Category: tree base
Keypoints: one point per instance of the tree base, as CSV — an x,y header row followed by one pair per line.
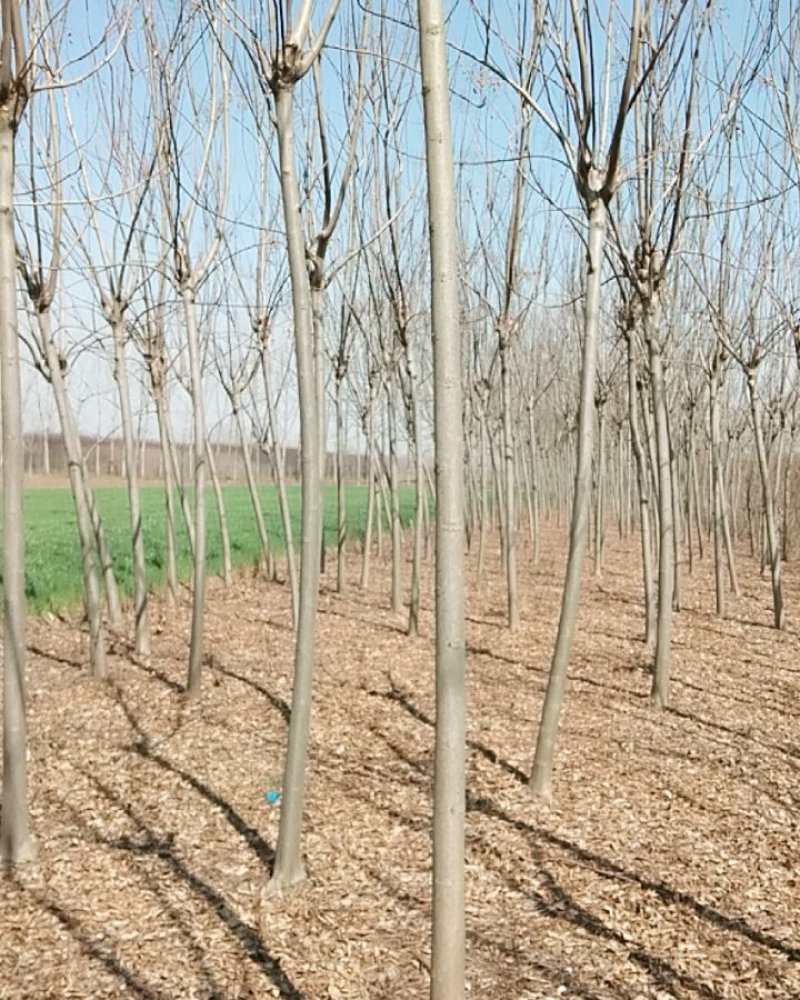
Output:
x,y
279,883
541,789
277,887
23,854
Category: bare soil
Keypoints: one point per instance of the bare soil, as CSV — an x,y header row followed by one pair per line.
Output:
x,y
666,867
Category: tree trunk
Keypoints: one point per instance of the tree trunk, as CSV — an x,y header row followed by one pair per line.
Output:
x,y
341,498
542,772
199,449
510,487
773,548
659,692
677,533
698,512
115,616
169,499
141,618
394,500
267,559
288,862
599,509
534,482
716,491
419,491
484,497
367,547
77,473
448,940
222,514
280,486
16,842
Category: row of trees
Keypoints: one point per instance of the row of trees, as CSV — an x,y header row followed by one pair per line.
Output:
x,y
198,188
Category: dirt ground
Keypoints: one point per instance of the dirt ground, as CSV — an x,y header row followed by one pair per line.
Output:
x,y
667,866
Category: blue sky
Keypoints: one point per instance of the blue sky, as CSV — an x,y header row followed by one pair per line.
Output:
x,y
485,120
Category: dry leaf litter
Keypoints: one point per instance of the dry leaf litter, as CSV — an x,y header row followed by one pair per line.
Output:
x,y
667,865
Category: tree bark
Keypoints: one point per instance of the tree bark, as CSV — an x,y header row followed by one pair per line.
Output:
x,y
288,862
341,497
542,772
222,515
16,842
267,558
113,603
195,668
367,547
510,489
659,692
448,940
78,486
141,616
169,499
280,486
394,508
773,546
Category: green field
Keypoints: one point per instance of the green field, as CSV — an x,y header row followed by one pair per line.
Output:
x,y
52,553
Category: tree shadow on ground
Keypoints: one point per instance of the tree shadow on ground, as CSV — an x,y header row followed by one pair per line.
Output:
x,y
492,654
144,747
147,843
371,622
744,734
711,692
159,675
607,868
95,950
263,851
65,661
601,865
277,703
399,697
556,975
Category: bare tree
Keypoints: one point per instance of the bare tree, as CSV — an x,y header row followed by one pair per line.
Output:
x,y
130,166
40,278
183,190
596,175
292,51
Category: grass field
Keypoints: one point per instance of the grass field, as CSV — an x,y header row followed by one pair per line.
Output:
x,y
52,554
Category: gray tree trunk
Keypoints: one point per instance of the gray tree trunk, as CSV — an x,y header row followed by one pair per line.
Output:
x,y
448,941
542,772
279,472
16,842
483,521
77,473
419,490
534,481
643,484
115,616
341,497
267,559
768,501
600,490
169,498
659,692
222,515
288,861
510,489
195,667
367,547
141,618
394,506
